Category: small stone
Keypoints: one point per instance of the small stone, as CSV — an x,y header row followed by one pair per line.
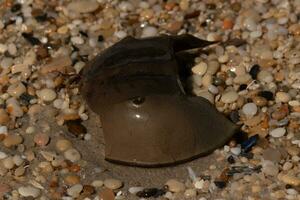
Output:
x,y
41,139
2,155
259,101
254,71
47,94
293,150
113,183
76,128
106,194
97,183
150,192
190,193
87,190
18,160
63,145
229,97
265,76
278,132
283,97
8,163
249,109
175,186
72,155
72,180
12,140
19,171
267,95
149,31
269,168
29,191
223,58
134,190
213,89
200,68
77,40
75,190
287,166
199,184
272,154
236,150
291,180
83,6
16,89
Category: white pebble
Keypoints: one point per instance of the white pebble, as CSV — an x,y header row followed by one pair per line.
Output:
x,y
265,76
278,132
77,40
113,183
83,6
75,190
236,150
213,89
134,190
200,69
224,58
175,186
3,130
120,34
47,94
72,155
149,31
97,183
18,160
29,191
229,97
249,109
283,97
2,155
199,184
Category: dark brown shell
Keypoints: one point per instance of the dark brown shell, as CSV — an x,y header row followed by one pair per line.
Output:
x,y
147,117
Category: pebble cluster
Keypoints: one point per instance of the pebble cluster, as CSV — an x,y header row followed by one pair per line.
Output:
x,y
252,75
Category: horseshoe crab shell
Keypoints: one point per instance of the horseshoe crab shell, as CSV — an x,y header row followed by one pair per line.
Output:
x,y
136,88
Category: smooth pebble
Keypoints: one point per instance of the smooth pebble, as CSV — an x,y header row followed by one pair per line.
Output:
x,y
63,145
249,109
113,183
75,190
72,155
277,132
29,191
200,68
47,94
175,186
229,97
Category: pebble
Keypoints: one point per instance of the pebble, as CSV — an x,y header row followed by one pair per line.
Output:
x,y
200,68
236,150
213,89
83,6
278,132
113,184
190,193
229,97
41,139
149,31
8,163
47,94
75,190
97,183
72,155
16,89
249,109
175,186
290,179
2,155
134,190
283,97
106,194
287,166
265,76
63,145
269,168
4,188
12,140
72,180
272,154
29,191
18,160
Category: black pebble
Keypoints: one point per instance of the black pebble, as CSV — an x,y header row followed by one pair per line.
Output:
x,y
242,87
41,18
231,160
249,143
150,192
254,71
31,39
100,38
83,33
267,95
234,116
16,7
220,184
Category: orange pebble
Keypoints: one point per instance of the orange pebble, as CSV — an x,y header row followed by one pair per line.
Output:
x,y
227,24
